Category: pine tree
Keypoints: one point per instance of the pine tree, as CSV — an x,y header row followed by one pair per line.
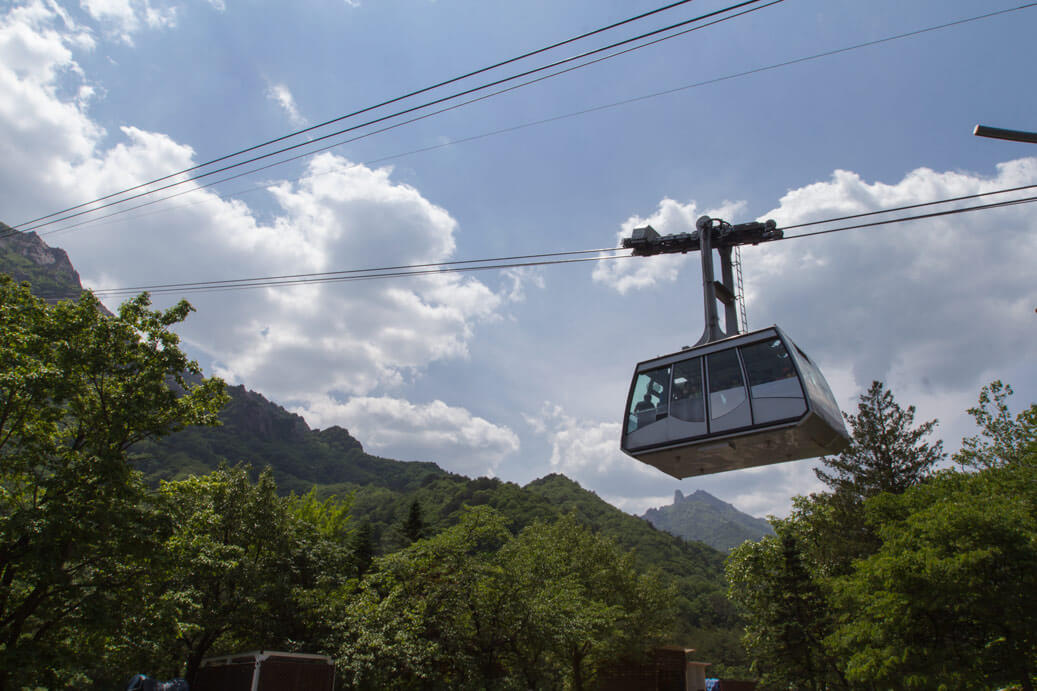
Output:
x,y
363,548
414,526
886,453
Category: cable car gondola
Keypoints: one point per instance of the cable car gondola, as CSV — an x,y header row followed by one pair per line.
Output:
x,y
735,400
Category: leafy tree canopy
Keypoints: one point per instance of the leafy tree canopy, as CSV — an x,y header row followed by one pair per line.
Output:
x,y
951,594
886,454
77,389
1003,440
475,607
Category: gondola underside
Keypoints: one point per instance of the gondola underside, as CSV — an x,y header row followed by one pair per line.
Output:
x,y
809,437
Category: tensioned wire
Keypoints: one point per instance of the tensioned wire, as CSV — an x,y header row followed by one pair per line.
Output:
x,y
552,119
27,225
368,109
387,128
470,265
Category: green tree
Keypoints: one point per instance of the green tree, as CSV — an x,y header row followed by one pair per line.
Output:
x,y
784,585
77,390
780,584
474,607
1003,440
576,601
226,565
419,618
886,454
950,598
325,566
363,548
414,526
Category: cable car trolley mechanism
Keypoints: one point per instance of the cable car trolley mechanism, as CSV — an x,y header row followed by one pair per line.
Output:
x,y
733,400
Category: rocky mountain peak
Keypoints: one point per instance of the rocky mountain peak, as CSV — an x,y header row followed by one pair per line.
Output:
x,y
26,257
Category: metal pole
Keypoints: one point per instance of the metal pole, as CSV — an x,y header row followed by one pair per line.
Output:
x,y
712,331
1010,135
730,304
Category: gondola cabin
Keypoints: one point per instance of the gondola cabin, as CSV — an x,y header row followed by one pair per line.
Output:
x,y
749,400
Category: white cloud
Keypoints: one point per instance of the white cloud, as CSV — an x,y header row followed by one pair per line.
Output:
x,y
301,343
588,451
41,132
124,18
282,96
457,440
933,305
518,278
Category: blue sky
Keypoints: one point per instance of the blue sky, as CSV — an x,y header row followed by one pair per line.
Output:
x,y
521,373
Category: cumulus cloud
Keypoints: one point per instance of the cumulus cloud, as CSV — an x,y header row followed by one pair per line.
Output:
x,y
282,96
457,440
588,451
934,304
302,344
41,131
917,303
126,17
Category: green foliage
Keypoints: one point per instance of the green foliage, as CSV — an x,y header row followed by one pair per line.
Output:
x,y
474,607
951,595
237,567
706,619
780,584
885,454
901,578
414,526
262,434
226,560
578,600
1003,440
415,620
77,389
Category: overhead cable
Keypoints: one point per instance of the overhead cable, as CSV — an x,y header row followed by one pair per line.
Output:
x,y
328,274
934,214
359,275
563,116
497,263
28,225
387,128
368,109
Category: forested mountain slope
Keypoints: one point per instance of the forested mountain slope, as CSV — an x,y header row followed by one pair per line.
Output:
x,y
385,493
260,433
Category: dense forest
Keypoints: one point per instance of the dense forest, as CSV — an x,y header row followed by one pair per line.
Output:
x,y
904,574
907,573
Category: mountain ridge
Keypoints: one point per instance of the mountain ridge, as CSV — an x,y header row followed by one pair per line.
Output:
x,y
381,491
702,517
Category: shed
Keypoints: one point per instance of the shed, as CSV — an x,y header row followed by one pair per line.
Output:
x,y
265,670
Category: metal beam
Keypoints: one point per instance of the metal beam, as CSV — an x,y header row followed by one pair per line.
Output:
x,y
1010,135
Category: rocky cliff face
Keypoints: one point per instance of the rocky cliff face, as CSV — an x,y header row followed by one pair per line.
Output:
x,y
26,257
